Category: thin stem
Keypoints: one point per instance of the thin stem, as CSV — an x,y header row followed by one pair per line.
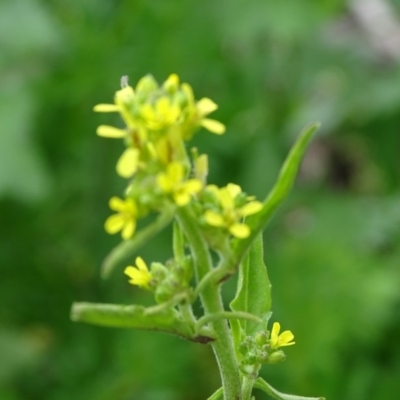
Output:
x,y
212,303
187,314
226,315
211,278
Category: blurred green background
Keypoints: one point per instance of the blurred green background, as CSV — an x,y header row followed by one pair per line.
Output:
x,y
333,250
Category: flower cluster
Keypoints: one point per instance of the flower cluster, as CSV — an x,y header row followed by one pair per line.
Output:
x,y
166,281
264,348
158,120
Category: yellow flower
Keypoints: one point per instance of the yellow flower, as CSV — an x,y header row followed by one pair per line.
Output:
x,y
172,182
160,115
280,340
230,215
139,275
198,111
125,218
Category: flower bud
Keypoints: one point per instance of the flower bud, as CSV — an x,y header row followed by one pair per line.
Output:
x,y
276,356
146,85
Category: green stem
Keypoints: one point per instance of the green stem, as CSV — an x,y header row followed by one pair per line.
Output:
x,y
211,278
187,314
247,387
212,303
226,315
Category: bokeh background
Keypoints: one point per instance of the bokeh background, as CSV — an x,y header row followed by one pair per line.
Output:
x,y
332,250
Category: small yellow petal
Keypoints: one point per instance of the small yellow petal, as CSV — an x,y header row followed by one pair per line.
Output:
x,y
241,231
127,164
110,132
285,338
141,264
193,186
129,229
206,106
233,189
214,219
250,208
225,199
138,277
213,126
182,198
106,108
117,204
131,271
276,328
114,224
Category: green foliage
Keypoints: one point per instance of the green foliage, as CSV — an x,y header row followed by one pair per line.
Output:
x,y
332,254
253,292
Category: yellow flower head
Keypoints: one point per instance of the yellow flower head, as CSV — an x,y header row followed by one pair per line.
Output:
x,y
139,275
197,111
172,182
230,215
125,218
280,340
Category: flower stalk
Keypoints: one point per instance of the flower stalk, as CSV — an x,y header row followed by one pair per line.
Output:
x,y
167,181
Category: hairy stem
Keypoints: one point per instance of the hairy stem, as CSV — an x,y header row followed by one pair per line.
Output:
x,y
212,303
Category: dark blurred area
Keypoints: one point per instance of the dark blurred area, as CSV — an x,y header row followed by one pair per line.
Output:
x,y
332,251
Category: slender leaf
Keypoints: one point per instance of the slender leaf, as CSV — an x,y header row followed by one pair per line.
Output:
x,y
267,388
278,193
133,316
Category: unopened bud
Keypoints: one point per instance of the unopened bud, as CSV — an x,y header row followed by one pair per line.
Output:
x,y
276,356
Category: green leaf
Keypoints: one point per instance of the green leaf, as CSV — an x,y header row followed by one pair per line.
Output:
x,y
126,250
276,196
253,294
133,316
217,395
267,388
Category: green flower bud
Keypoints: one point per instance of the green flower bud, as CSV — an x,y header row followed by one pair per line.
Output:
x,y
158,271
146,85
246,345
261,337
276,356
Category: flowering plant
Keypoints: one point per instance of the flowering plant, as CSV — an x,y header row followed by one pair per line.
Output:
x,y
165,180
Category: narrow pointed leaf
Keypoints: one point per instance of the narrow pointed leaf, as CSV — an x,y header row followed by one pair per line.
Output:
x,y
133,316
267,388
276,196
124,251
